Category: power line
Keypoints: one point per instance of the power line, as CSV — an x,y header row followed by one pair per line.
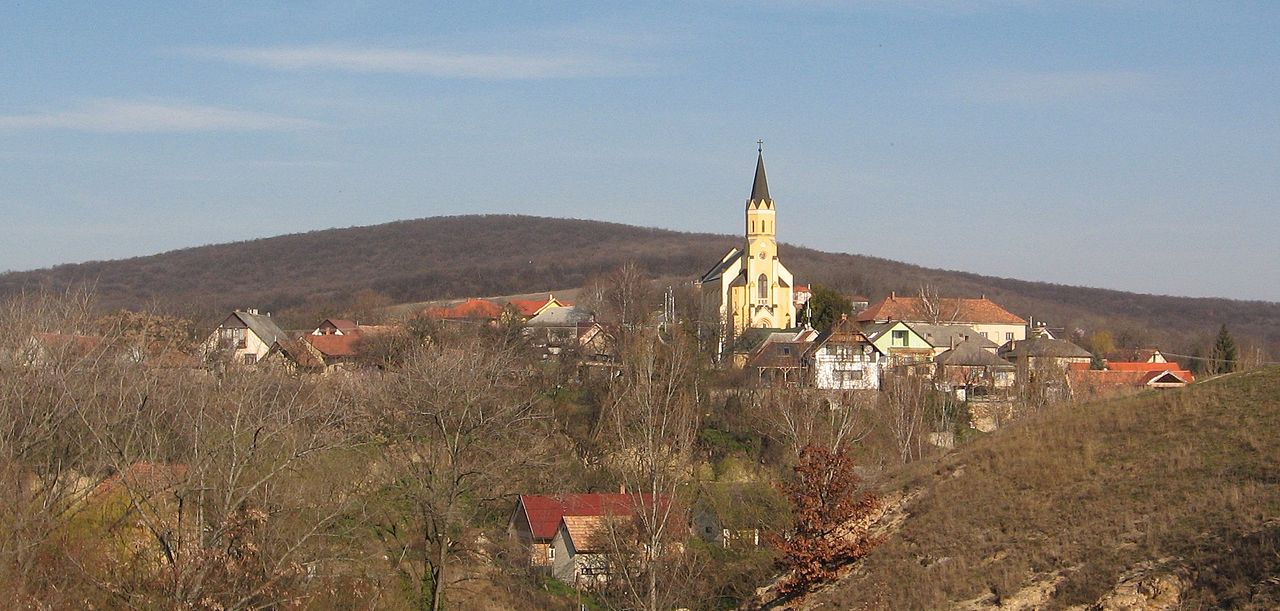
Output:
x,y
1209,358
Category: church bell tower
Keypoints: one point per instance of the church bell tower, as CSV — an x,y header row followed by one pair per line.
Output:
x,y
768,293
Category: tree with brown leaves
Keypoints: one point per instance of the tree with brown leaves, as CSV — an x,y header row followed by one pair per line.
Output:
x,y
832,517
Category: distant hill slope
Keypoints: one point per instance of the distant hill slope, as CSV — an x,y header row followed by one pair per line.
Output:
x,y
1176,488
454,257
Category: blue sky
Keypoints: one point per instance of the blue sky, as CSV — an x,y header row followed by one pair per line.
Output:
x,y
1129,145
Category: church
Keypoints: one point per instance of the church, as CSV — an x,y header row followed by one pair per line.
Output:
x,y
749,287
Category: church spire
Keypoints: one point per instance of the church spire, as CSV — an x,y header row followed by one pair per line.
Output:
x,y
760,187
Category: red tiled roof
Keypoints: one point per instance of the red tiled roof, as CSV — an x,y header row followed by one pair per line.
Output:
x,y
527,307
469,309
531,307
144,476
335,345
544,511
1102,379
949,309
79,344
1142,366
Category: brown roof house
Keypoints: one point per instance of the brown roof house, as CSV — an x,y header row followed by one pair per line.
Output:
x,y
337,342
574,536
529,308
780,359
844,358
985,317
1043,359
478,311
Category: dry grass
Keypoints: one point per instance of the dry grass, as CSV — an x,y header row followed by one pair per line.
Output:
x,y
1091,491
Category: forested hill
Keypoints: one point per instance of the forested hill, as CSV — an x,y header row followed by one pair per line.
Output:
x,y
462,256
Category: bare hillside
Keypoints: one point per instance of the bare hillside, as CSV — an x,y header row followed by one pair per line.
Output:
x,y
1167,495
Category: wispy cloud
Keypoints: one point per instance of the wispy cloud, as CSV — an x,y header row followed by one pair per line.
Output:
x,y
1050,87
449,64
124,116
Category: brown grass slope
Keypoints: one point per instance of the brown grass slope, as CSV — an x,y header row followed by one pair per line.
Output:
x,y
461,256
1088,493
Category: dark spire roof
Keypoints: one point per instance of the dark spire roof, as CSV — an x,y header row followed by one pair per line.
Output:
x,y
760,187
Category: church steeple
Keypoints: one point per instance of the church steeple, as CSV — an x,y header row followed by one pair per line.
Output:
x,y
760,186
760,212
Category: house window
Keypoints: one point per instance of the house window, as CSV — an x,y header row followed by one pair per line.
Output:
x,y
762,287
250,359
551,552
899,338
1008,336
235,337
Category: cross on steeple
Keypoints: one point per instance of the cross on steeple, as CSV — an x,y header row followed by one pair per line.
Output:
x,y
759,146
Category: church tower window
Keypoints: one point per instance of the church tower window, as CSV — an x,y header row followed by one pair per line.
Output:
x,y
762,287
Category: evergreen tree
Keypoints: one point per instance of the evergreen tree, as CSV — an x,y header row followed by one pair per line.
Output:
x,y
825,307
1223,358
1198,364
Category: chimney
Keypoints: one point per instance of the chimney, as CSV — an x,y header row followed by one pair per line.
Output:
x,y
893,295
622,488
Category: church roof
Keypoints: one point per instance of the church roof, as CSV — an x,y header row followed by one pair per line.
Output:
x,y
716,272
760,186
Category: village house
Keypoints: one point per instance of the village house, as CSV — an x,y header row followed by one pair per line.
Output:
x,y
1147,370
844,358
1040,356
1102,383
569,535
597,344
970,370
555,329
245,335
983,315
295,356
907,352
779,359
472,311
528,309
337,341
946,337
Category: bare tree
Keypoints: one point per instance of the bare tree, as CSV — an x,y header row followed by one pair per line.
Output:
x,y
222,483
652,418
906,398
629,296
800,419
933,306
163,487
45,464
457,427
